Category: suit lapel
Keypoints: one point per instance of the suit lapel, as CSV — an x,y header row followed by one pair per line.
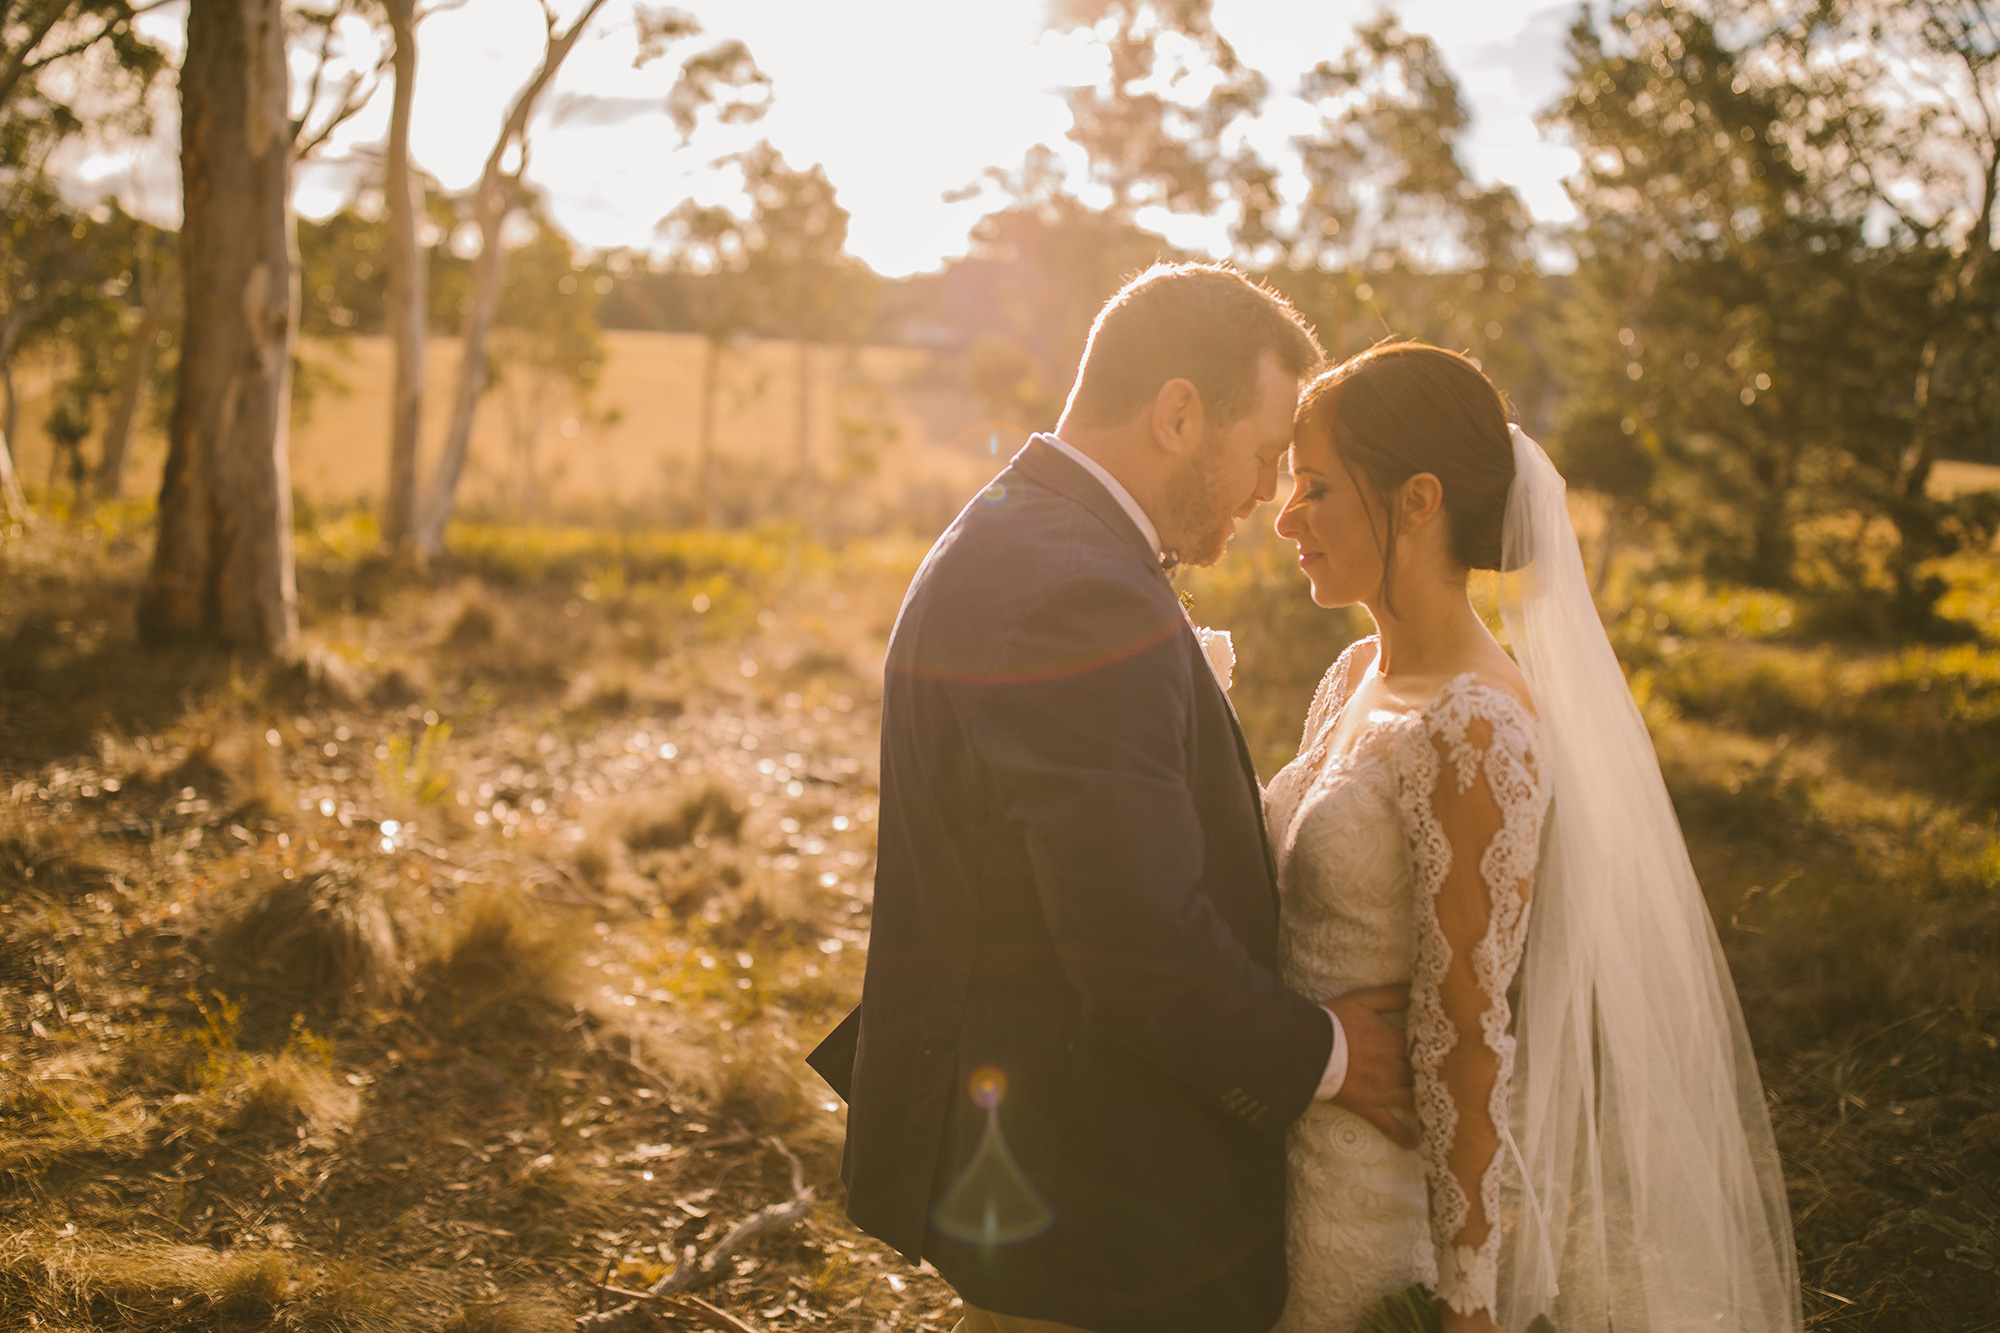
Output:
x,y
1244,760
1043,465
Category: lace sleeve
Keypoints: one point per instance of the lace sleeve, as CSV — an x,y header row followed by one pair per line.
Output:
x,y
1473,804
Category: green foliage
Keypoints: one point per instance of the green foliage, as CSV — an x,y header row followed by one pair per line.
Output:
x,y
344,270
1411,1310
416,771
1284,643
509,555
1154,130
1745,352
547,323
343,274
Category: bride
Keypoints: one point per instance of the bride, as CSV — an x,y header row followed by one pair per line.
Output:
x,y
1593,1141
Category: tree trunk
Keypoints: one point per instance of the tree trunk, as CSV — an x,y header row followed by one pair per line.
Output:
x,y
408,304
711,371
131,388
488,272
804,471
10,418
13,505
494,202
222,567
12,502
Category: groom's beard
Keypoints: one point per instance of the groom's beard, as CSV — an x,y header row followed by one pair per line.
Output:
x,y
1199,535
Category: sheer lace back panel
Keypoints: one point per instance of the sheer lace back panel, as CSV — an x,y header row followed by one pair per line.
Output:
x,y
1408,857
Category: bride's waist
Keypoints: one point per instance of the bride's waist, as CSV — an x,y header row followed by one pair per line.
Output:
x,y
1329,1133
1325,987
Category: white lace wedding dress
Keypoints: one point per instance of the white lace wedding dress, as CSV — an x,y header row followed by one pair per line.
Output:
x,y
1406,844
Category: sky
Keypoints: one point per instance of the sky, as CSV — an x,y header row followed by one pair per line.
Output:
x,y
901,101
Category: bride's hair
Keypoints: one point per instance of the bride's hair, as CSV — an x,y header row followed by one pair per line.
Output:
x,y
1401,408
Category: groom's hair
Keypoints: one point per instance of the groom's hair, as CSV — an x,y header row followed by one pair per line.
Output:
x,y
1204,323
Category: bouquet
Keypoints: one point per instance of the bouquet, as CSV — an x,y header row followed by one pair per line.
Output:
x,y
1417,1310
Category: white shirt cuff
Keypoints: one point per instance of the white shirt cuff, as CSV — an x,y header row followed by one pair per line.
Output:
x,y
1336,1063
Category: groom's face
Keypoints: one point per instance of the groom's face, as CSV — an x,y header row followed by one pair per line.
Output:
x,y
1232,471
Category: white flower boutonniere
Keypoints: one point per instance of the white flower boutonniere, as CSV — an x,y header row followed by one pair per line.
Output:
x,y
1221,653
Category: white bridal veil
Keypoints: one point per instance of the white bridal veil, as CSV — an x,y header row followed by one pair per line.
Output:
x,y
1650,1196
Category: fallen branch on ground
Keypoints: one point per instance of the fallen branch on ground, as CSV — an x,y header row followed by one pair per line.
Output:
x,y
713,1314
695,1274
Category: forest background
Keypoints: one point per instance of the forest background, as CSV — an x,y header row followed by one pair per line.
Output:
x,y
438,663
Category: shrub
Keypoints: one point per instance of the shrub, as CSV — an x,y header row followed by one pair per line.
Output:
x,y
325,936
712,812
499,967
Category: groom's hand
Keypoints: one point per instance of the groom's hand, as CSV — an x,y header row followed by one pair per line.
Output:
x,y
1378,1062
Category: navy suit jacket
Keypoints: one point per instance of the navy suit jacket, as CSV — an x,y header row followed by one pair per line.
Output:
x,y
1072,1067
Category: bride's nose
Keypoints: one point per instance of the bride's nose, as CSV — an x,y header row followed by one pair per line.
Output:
x,y
1288,523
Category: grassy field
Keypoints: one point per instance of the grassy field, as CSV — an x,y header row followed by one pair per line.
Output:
x,y
458,977
884,425
889,433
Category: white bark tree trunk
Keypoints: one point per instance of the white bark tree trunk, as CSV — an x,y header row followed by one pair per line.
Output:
x,y
131,390
711,374
497,189
408,290
13,505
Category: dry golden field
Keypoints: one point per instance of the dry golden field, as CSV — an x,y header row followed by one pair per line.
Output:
x,y
890,425
890,433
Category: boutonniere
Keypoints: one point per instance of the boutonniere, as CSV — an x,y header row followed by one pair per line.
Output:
x,y
1220,652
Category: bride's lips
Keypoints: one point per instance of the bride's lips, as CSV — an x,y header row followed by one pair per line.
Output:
x,y
1307,557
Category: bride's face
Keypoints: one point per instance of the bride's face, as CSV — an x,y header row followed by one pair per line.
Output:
x,y
1338,531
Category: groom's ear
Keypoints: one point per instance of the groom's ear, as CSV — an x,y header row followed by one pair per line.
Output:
x,y
1179,420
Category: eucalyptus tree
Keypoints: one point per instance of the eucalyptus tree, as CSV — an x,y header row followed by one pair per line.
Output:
x,y
1393,233
1156,128
38,36
1784,304
723,81
54,55
222,568
808,287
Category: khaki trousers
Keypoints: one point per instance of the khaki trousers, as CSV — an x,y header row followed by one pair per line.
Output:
x,y
983,1321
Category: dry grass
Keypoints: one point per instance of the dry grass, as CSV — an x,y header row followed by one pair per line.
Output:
x,y
551,948
498,968
895,434
323,936
706,815
385,1034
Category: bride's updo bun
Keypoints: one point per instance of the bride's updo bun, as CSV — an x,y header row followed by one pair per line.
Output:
x,y
1401,408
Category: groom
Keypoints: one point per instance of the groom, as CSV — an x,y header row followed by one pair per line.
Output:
x,y
1072,1068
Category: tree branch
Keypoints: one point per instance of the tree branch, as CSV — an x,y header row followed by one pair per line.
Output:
x,y
348,108
17,63
516,126
612,1320
692,1275
78,48
348,105
319,74
778,1216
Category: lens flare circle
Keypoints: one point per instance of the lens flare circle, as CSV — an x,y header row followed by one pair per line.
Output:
x,y
987,1087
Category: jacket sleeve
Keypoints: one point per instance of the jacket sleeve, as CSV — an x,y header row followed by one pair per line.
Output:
x,y
1082,729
